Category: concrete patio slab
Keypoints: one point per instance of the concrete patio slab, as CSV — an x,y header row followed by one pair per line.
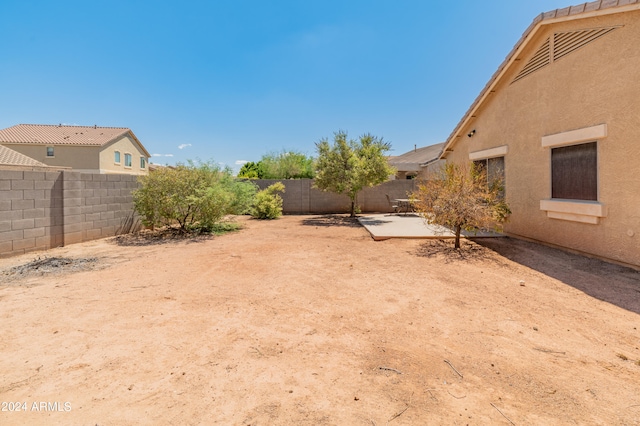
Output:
x,y
385,226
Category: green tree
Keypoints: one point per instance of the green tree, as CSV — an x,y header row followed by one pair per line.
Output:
x,y
194,196
268,203
348,166
461,198
250,170
286,165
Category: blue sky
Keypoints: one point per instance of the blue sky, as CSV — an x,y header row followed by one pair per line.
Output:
x,y
231,80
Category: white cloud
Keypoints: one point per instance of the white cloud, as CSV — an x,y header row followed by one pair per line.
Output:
x,y
183,145
162,155
241,162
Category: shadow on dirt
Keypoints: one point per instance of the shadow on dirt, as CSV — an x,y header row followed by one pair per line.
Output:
x,y
444,248
164,236
605,281
332,220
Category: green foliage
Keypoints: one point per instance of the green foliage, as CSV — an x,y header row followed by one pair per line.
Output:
x,y
461,198
286,165
194,196
268,203
250,170
348,166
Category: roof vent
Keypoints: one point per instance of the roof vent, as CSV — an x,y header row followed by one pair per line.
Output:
x,y
563,44
539,60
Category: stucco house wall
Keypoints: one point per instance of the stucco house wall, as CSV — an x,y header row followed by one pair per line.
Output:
x,y
589,95
124,145
79,158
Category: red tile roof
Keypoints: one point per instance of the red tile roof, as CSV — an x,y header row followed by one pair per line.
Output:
x,y
61,135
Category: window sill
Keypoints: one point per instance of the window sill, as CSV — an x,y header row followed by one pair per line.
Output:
x,y
574,211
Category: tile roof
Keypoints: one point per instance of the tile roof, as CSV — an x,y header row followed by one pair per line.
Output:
x,y
9,157
411,160
583,10
61,135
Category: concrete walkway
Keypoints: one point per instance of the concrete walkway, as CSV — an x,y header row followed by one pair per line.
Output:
x,y
391,225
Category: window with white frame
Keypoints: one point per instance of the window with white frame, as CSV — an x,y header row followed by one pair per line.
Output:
x,y
116,157
143,163
127,160
50,152
574,175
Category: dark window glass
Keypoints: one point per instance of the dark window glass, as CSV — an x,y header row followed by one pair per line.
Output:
x,y
574,172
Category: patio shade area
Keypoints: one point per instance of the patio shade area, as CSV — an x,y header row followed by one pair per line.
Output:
x,y
385,226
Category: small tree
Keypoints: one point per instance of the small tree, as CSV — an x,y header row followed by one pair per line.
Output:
x,y
461,197
250,170
268,203
348,166
286,165
195,197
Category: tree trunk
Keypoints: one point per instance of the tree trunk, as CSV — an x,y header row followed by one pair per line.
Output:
x,y
353,208
457,243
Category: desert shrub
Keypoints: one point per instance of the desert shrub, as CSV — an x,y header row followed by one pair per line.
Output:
x,y
462,197
194,196
268,203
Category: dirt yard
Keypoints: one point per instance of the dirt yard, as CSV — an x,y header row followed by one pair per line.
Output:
x,y
306,320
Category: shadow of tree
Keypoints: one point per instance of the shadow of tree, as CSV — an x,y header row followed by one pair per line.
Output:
x,y
444,248
163,236
332,220
605,281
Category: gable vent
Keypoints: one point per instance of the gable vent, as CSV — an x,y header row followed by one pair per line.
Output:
x,y
565,43
539,60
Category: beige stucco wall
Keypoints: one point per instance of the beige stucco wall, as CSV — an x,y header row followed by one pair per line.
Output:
x,y
594,85
83,158
125,145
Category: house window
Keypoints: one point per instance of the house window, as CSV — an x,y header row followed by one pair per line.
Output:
x,y
494,168
116,157
50,151
574,172
127,160
143,162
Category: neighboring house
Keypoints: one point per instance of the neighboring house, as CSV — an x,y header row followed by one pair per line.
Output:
x,y
560,120
408,165
83,148
13,159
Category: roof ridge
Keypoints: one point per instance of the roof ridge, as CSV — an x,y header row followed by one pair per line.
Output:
x,y
72,125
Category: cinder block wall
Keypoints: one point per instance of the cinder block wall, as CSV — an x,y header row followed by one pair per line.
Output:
x,y
44,209
301,197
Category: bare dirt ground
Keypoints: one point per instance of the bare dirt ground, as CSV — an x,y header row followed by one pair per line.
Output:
x,y
307,320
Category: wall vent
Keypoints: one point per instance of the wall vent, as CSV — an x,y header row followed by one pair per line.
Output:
x,y
563,44
539,60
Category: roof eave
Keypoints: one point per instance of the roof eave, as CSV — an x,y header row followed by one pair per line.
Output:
x,y
542,20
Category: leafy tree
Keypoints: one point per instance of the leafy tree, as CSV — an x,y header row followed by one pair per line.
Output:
x,y
250,170
286,165
460,197
194,196
268,203
348,166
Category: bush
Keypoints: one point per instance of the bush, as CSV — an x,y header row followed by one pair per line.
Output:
x,y
268,203
194,196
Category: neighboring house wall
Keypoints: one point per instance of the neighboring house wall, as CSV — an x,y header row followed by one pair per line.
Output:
x,y
300,197
589,95
40,209
80,158
124,145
